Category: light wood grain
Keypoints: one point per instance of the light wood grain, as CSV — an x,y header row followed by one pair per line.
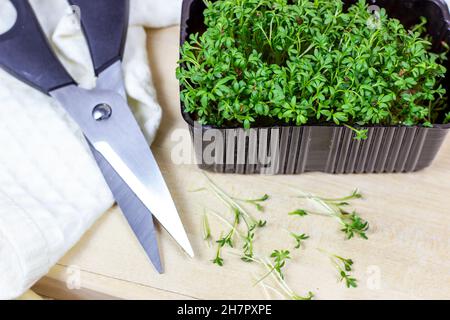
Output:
x,y
409,214
30,295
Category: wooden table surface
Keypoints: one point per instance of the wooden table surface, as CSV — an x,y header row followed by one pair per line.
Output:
x,y
407,255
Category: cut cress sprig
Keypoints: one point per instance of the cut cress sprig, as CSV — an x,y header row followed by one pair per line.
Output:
x,y
344,267
207,236
239,214
352,223
299,238
274,271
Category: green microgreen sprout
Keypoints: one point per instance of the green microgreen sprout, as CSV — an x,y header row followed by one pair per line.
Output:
x,y
298,212
239,214
247,239
356,194
360,134
235,206
306,62
352,224
447,118
278,257
255,202
299,238
218,258
344,267
291,294
227,240
207,236
248,244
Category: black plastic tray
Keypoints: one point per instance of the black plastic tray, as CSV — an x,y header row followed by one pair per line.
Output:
x,y
327,148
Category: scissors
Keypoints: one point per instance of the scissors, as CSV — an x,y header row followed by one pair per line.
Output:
x,y
116,141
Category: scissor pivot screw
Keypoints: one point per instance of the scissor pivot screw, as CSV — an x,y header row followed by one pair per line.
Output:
x,y
102,112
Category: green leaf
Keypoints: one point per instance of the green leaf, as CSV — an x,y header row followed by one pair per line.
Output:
x,y
340,117
298,212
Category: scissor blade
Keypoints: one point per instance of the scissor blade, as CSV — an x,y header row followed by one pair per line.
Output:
x,y
151,188
139,217
120,141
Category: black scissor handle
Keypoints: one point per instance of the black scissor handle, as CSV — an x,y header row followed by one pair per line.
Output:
x,y
26,54
105,25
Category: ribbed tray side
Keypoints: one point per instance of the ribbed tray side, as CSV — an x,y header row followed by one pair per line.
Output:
x,y
293,150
